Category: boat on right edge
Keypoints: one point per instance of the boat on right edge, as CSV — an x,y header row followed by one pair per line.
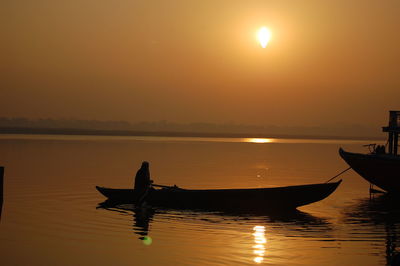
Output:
x,y
380,167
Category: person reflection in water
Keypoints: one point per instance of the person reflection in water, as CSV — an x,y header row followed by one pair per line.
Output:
x,y
142,218
142,183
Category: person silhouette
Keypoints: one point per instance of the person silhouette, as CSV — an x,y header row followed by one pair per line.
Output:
x,y
142,183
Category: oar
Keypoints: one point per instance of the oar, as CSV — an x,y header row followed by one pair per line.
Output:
x,y
144,196
155,185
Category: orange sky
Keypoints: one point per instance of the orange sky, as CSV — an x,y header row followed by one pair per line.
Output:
x,y
328,62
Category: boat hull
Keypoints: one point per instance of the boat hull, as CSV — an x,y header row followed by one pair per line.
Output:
x,y
289,197
382,170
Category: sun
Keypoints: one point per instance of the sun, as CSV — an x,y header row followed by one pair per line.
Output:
x,y
264,36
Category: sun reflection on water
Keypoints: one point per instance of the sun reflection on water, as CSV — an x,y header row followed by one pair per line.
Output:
x,y
260,240
260,140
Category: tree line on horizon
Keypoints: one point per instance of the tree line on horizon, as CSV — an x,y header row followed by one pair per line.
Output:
x,y
166,126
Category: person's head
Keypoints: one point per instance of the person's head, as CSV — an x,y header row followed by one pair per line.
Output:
x,y
145,164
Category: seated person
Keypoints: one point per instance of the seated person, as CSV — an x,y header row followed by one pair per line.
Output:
x,y
142,182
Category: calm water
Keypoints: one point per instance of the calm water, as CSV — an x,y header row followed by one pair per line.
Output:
x,y
50,216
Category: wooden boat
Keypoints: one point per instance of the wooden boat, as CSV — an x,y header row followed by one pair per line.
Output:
x,y
289,197
379,167
382,170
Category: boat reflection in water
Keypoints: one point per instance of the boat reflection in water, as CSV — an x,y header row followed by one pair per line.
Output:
x,y
295,222
375,214
260,241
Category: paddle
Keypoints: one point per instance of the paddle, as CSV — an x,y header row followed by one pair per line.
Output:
x,y
146,193
155,185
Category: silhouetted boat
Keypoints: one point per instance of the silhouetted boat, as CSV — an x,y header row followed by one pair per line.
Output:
x,y
380,168
276,198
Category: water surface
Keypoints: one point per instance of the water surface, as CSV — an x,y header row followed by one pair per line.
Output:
x,y
50,216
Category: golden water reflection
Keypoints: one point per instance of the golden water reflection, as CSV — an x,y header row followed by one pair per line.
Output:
x,y
260,241
259,140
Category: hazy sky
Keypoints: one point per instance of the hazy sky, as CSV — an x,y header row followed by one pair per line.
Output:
x,y
328,62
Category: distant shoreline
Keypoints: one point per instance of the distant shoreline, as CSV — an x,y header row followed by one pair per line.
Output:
x,y
94,132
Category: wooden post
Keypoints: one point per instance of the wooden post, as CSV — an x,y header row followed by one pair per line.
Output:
x,y
1,188
390,143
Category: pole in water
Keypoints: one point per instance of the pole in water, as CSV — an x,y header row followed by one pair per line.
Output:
x,y
1,188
